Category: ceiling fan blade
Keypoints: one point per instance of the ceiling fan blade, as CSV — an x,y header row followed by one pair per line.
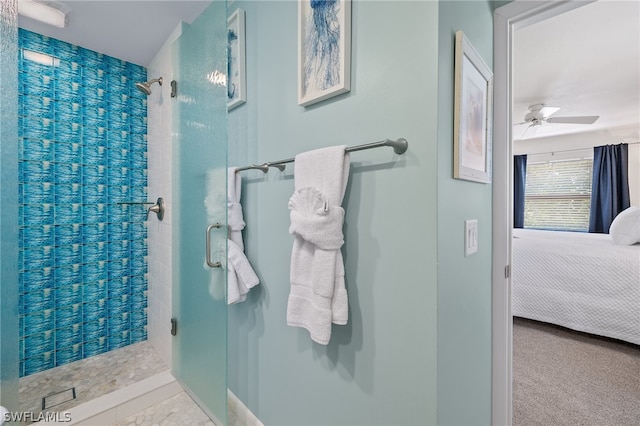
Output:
x,y
586,119
525,132
518,124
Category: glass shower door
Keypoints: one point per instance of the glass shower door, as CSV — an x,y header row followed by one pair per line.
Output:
x,y
199,209
9,283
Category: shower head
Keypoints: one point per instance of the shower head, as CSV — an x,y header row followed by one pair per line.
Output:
x,y
146,86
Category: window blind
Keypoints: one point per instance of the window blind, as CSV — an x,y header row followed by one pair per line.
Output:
x,y
558,195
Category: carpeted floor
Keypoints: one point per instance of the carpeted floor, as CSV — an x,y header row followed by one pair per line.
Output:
x,y
563,377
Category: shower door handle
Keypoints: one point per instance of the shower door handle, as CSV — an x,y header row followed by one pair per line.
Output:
x,y
208,246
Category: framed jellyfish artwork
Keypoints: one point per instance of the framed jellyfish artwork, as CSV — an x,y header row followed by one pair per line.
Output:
x,y
236,56
324,49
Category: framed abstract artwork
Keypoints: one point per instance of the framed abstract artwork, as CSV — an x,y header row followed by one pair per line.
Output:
x,y
324,49
236,56
472,116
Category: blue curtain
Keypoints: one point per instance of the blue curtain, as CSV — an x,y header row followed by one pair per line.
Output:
x,y
610,188
519,180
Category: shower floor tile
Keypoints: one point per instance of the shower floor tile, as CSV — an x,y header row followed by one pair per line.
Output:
x,y
91,377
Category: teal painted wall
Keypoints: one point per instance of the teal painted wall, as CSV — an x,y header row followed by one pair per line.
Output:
x,y
464,283
500,3
380,369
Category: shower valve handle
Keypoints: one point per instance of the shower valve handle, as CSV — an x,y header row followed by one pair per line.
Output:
x,y
157,208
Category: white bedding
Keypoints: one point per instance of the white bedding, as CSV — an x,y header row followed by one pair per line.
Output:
x,y
577,280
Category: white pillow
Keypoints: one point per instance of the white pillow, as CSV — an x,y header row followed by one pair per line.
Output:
x,y
625,228
3,412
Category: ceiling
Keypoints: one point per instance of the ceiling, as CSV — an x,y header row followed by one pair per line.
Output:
x,y
587,62
129,30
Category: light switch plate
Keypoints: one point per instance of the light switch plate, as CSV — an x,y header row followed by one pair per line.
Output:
x,y
470,236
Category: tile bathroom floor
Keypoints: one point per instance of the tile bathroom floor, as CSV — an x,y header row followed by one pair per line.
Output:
x,y
177,410
108,372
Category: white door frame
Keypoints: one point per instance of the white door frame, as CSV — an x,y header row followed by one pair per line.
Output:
x,y
506,20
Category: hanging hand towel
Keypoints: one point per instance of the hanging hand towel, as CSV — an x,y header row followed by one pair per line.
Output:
x,y
240,275
215,200
235,219
318,296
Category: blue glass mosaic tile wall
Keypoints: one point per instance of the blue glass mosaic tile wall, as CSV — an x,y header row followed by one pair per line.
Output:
x,y
83,256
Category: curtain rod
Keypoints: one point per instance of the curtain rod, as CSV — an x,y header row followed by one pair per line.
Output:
x,y
572,150
399,147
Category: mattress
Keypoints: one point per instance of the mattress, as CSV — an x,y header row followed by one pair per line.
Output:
x,y
580,281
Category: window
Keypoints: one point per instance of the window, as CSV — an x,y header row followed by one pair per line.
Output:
x,y
558,195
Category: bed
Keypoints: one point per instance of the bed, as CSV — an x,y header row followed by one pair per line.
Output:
x,y
577,280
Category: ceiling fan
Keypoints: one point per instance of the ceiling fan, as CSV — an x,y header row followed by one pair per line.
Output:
x,y
539,114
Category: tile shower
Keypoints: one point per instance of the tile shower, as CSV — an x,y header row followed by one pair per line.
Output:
x,y
83,256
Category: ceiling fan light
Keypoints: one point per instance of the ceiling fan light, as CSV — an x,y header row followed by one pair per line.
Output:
x,y
547,111
49,12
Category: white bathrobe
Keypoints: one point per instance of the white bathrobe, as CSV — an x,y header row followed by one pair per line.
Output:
x,y
318,296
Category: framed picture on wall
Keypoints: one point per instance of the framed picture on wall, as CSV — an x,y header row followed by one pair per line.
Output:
x,y
472,114
236,56
324,50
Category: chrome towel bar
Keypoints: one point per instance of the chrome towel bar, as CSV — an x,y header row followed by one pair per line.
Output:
x,y
399,146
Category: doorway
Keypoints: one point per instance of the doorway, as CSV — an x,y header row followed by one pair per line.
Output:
x,y
507,19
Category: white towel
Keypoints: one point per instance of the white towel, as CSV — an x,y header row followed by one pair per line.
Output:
x,y
215,200
318,296
240,275
215,205
217,286
235,219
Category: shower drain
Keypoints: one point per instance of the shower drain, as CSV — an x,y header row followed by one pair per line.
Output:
x,y
58,398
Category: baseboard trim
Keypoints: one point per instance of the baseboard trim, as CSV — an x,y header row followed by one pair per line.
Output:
x,y
242,413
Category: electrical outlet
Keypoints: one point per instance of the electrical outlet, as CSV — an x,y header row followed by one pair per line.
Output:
x,y
470,236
